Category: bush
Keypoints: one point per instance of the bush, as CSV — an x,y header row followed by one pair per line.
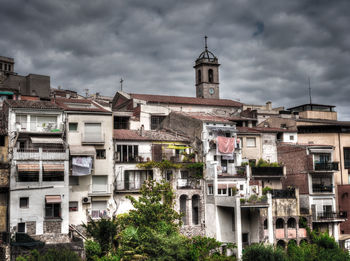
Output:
x,y
50,255
259,252
266,190
92,250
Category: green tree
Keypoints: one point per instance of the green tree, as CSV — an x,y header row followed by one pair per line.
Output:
x,y
50,255
259,252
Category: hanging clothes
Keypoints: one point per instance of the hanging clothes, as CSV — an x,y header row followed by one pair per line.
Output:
x,y
225,145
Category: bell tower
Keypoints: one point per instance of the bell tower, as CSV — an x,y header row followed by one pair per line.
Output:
x,y
207,74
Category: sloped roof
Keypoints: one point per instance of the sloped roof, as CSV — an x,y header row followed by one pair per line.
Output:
x,y
206,117
261,130
80,105
185,100
147,135
41,105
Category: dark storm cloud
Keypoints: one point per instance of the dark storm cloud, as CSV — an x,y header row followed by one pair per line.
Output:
x,y
267,49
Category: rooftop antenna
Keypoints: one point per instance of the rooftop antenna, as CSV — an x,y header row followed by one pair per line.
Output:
x,y
205,41
310,91
86,92
121,84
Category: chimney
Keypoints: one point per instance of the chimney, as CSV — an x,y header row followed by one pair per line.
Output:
x,y
269,106
141,130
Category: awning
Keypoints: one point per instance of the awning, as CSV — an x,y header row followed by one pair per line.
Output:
x,y
46,140
325,150
82,150
210,185
53,199
178,147
6,93
231,185
28,167
53,167
222,186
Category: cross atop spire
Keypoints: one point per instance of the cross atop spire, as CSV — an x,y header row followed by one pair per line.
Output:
x,y
121,84
205,40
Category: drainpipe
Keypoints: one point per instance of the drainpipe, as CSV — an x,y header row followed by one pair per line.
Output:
x,y
340,159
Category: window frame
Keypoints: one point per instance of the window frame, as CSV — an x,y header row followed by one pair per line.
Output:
x,y
251,139
103,153
54,207
71,208
72,124
27,202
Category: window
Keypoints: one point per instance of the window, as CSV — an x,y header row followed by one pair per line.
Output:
x,y
21,122
73,180
21,227
127,153
241,187
251,142
210,75
100,154
291,137
156,122
73,126
93,132
120,122
222,191
183,209
73,206
195,209
99,183
43,123
52,210
347,158
199,76
133,179
231,192
210,189
98,209
53,172
28,176
2,141
24,202
169,173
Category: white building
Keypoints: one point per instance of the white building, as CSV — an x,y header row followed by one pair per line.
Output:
x,y
89,136
39,170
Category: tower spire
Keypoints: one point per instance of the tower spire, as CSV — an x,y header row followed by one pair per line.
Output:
x,y
310,91
205,41
121,84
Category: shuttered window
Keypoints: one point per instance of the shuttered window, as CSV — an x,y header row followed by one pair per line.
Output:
x,y
93,132
99,183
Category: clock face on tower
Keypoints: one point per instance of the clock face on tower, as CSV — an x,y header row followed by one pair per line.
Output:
x,y
211,90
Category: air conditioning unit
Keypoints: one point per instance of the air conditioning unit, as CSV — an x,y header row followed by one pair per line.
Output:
x,y
86,200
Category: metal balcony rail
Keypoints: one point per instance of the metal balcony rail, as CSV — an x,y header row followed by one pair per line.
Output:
x,y
129,185
267,171
322,188
132,158
283,193
326,166
189,183
328,215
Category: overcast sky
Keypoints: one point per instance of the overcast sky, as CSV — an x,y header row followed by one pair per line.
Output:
x,y
267,49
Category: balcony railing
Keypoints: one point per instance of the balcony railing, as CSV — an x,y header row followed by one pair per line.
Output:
x,y
100,189
128,185
267,171
49,127
188,183
134,158
97,214
329,215
283,193
329,166
319,188
40,154
93,139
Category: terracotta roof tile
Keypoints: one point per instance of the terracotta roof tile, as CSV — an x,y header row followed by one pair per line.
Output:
x,y
148,135
206,117
68,105
41,105
186,100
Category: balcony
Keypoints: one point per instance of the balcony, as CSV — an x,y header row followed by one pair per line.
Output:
x,y
132,157
97,214
268,172
283,193
40,154
254,201
48,127
98,138
320,188
329,216
328,166
189,183
121,186
100,190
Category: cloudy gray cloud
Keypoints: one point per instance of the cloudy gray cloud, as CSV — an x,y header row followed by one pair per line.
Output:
x,y
267,49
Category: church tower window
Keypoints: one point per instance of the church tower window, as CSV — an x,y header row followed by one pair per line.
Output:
x,y
199,75
210,75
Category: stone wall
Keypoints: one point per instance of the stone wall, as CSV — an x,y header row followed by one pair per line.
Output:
x,y
31,227
52,226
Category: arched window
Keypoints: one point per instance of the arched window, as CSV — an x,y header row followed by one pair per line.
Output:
x,y
210,75
291,223
302,242
292,242
281,243
279,223
183,210
199,76
195,210
265,224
